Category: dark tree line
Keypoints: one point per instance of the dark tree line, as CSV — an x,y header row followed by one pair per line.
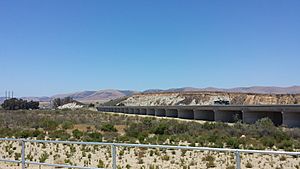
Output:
x,y
16,104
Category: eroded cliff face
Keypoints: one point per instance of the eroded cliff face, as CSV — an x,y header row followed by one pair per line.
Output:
x,y
209,98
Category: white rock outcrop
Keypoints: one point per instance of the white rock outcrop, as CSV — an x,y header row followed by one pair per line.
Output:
x,y
70,106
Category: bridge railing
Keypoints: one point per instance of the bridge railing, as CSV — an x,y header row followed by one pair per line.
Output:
x,y
114,146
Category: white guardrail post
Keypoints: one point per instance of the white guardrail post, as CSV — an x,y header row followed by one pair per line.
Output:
x,y
238,159
114,156
23,154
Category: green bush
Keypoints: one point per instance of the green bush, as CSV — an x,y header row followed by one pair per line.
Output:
x,y
108,127
67,125
61,134
77,134
92,137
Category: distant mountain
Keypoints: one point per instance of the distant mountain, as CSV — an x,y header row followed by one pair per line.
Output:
x,y
108,94
40,99
253,89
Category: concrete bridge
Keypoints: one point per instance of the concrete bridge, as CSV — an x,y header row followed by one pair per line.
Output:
x,y
286,115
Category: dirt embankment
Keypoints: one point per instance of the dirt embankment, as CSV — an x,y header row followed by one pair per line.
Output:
x,y
208,98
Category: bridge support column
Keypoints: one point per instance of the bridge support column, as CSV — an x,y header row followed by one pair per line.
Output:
x,y
186,113
151,112
143,111
291,119
207,115
253,116
172,113
160,112
227,116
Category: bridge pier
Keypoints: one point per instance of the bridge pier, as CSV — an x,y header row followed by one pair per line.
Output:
x,y
186,113
204,115
151,112
172,113
291,119
227,116
252,116
160,112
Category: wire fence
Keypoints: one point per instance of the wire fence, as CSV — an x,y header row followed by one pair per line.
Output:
x,y
114,146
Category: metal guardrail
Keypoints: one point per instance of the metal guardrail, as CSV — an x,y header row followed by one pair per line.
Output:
x,y
237,152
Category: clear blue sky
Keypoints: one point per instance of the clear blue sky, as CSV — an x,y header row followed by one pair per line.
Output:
x,y
58,46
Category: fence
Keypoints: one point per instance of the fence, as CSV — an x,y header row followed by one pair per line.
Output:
x,y
237,152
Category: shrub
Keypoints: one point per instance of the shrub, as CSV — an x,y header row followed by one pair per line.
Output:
x,y
67,125
77,134
108,127
249,165
160,129
232,142
43,157
61,134
93,137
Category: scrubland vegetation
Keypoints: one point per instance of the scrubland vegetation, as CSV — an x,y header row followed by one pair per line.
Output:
x,y
85,125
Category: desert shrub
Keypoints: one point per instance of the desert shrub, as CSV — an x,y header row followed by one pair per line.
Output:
x,y
92,137
61,134
43,157
232,142
77,134
248,165
160,129
135,130
268,141
47,124
67,125
108,127
100,164
286,145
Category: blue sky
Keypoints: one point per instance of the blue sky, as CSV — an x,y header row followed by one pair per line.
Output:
x,y
58,46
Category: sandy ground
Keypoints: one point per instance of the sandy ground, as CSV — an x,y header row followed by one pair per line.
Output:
x,y
137,158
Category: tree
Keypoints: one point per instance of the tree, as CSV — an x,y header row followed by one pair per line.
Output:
x,y
59,102
16,104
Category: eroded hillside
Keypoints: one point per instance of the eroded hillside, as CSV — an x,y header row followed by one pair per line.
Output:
x,y
208,98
